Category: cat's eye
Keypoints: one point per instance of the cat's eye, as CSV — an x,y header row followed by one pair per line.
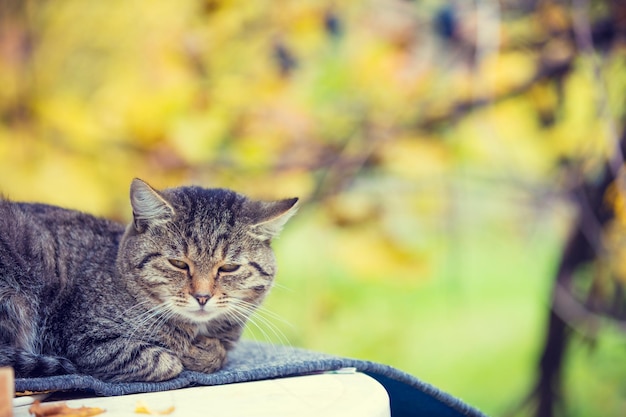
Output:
x,y
228,268
178,264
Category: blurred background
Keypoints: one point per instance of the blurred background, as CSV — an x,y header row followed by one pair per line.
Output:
x,y
459,163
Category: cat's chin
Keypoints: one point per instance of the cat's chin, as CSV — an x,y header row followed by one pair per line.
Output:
x,y
199,316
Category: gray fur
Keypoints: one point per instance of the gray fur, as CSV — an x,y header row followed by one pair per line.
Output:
x,y
172,290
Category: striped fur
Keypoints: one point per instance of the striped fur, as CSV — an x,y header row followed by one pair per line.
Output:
x,y
172,290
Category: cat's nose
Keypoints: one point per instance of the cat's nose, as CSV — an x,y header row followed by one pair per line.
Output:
x,y
202,298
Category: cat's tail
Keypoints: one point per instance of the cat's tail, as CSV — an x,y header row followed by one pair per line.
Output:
x,y
27,364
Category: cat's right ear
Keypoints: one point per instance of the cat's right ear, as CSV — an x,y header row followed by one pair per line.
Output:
x,y
148,204
270,217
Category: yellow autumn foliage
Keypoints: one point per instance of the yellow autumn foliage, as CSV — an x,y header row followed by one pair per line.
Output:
x,y
382,115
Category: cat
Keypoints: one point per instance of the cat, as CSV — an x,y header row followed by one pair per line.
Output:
x,y
172,290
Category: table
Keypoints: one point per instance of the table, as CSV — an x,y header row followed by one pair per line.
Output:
x,y
342,393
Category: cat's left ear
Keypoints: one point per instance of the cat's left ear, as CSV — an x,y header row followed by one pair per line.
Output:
x,y
270,217
148,204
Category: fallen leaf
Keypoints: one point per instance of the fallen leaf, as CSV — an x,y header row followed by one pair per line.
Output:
x,y
142,408
58,410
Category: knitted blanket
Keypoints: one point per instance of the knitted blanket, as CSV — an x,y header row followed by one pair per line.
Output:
x,y
252,361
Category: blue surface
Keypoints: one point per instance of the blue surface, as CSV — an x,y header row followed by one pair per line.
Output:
x,y
252,361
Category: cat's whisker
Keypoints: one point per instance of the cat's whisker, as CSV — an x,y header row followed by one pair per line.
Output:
x,y
264,311
261,310
250,321
241,316
241,319
232,315
163,318
256,318
279,336
146,318
124,314
264,335
282,287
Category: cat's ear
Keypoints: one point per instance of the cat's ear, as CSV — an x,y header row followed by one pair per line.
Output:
x,y
148,204
270,217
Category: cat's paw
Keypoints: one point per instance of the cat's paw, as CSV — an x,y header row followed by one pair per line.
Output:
x,y
166,366
152,364
205,355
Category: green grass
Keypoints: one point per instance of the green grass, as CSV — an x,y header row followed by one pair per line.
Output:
x,y
597,377
472,325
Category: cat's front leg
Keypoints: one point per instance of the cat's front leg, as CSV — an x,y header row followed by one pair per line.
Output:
x,y
206,354
122,360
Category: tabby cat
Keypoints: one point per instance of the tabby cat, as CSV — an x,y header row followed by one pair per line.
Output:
x,y
170,291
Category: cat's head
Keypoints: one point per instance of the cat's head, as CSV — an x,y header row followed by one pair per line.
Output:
x,y
201,253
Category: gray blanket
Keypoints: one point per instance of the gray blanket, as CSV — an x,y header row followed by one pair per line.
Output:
x,y
252,361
